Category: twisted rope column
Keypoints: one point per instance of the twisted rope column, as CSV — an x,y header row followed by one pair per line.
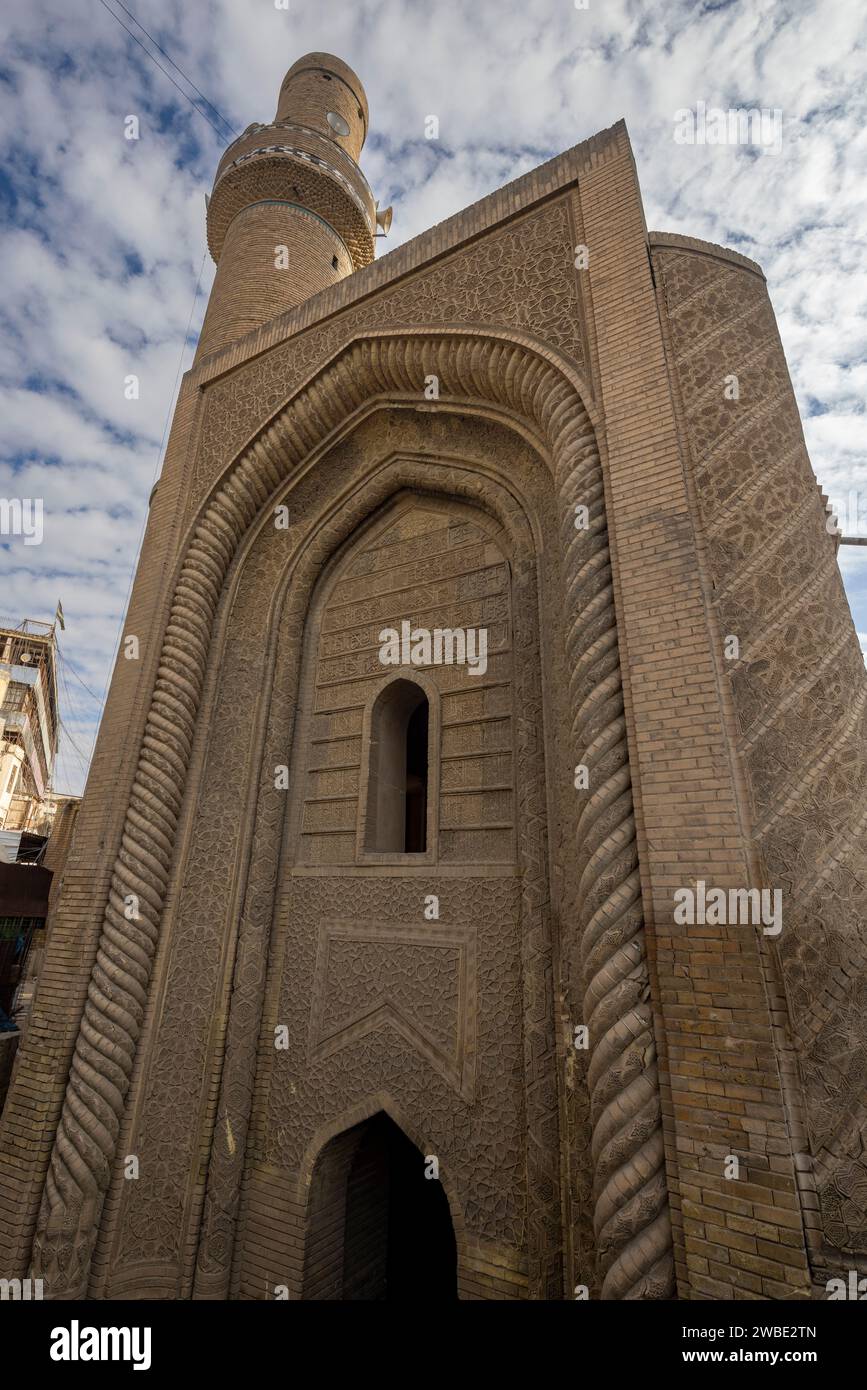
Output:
x,y
631,1216
102,1063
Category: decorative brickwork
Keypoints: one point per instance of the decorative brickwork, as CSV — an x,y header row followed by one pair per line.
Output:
x,y
268,906
461,370
518,278
799,690
290,211
631,1218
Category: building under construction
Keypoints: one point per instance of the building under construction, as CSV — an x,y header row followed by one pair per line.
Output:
x,y
29,813
28,726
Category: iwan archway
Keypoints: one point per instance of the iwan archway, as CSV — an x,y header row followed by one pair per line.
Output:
x,y
467,459
625,526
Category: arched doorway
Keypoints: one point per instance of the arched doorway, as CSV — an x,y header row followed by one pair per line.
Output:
x,y
379,1229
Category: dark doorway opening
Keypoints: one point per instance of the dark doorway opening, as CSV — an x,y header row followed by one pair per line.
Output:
x,y
399,1243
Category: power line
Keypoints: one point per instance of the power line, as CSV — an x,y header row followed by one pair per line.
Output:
x,y
78,712
69,666
184,94
68,748
139,24
64,684
84,759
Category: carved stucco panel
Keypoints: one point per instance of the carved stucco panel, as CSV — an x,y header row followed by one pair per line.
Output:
x,y
520,276
629,1205
153,1224
800,694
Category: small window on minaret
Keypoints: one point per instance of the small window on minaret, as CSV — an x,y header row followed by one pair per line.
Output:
x,y
334,262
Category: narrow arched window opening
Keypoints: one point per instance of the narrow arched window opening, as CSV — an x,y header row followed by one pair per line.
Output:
x,y
415,821
397,795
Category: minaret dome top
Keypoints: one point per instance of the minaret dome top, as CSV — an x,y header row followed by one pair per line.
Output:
x,y
323,93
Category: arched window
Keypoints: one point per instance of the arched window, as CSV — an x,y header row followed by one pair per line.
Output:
x,y
397,788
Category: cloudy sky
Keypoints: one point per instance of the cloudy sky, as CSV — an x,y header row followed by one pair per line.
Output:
x,y
104,240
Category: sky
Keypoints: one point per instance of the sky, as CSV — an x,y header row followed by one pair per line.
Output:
x,y
103,272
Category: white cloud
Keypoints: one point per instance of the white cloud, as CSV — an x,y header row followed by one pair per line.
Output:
x,y
104,237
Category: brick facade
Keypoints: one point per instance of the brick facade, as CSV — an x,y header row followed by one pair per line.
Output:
x,y
559,387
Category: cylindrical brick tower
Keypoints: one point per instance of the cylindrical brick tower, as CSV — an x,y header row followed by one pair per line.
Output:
x,y
290,211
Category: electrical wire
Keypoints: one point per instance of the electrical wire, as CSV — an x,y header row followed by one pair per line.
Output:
x,y
77,711
184,94
171,60
83,762
83,759
69,666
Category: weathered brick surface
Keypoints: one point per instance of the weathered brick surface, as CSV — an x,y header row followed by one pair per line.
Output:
x,y
799,696
273,254
728,1080
290,212
713,1007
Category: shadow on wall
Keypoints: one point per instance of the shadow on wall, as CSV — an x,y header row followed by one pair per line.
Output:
x,y
381,1229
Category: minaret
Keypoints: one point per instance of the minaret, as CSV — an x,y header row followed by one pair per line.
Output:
x,y
290,212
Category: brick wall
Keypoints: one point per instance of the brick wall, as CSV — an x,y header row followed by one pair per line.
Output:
x,y
799,694
317,84
29,1119
8,1048
722,1092
715,1007
250,288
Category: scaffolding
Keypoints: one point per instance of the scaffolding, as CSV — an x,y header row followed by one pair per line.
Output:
x,y
29,724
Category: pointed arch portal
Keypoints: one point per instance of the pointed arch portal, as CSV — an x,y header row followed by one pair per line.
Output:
x,y
380,1227
548,400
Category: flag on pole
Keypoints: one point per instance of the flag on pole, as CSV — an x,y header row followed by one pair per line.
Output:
x,y
58,617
